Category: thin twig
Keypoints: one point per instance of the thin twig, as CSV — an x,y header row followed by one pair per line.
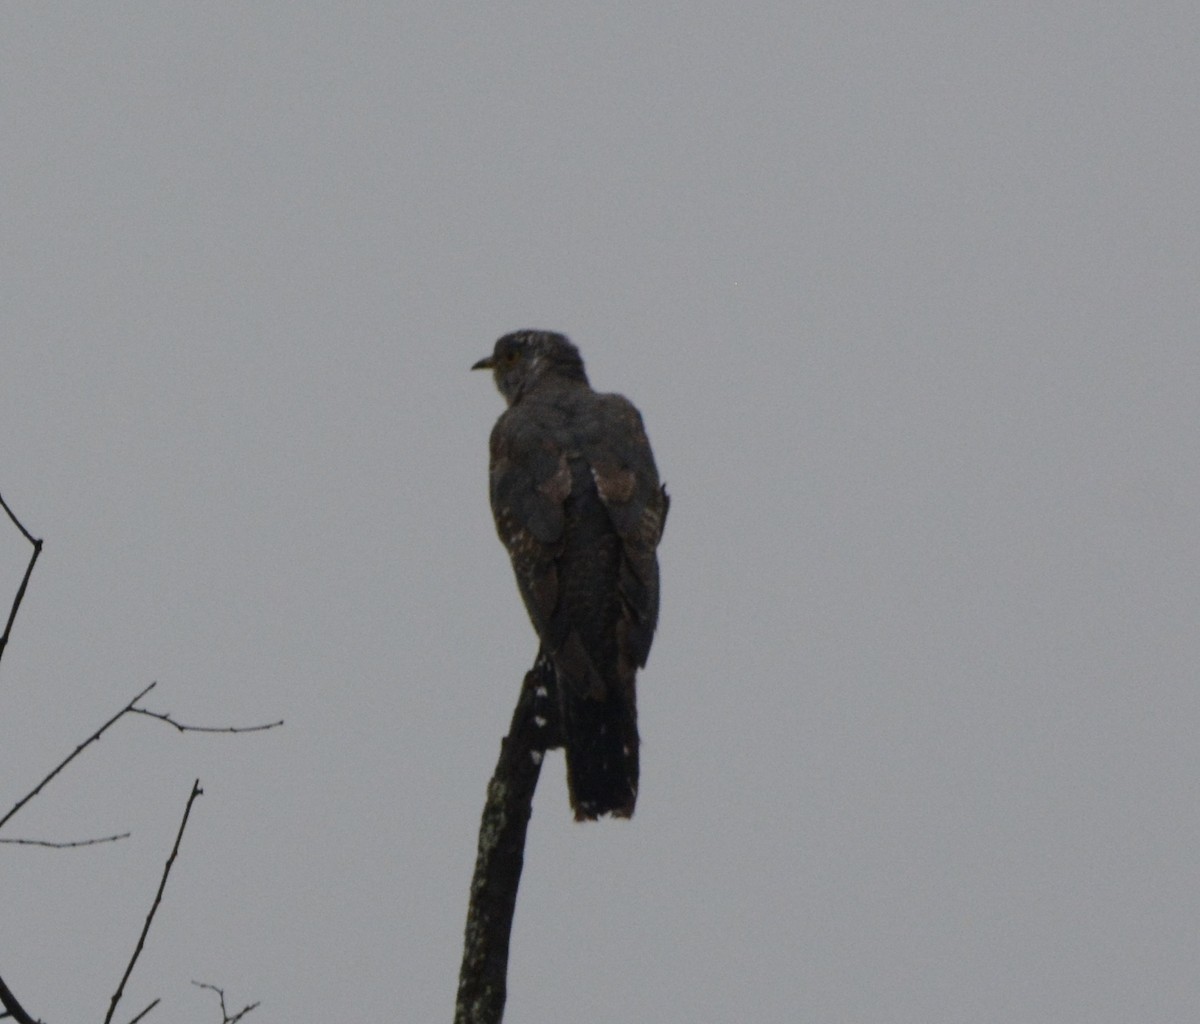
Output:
x,y
126,710
74,754
14,1009
166,717
37,550
116,998
66,846
17,523
226,1019
135,1020
241,1013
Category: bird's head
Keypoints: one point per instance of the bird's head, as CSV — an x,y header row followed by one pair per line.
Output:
x,y
523,359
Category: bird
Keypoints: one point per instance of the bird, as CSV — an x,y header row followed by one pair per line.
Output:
x,y
578,504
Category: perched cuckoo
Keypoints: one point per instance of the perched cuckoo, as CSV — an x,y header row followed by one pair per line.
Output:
x,y
578,504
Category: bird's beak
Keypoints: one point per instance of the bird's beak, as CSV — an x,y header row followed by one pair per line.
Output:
x,y
486,363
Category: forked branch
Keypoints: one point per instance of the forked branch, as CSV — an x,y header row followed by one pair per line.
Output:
x,y
74,754
128,709
226,1018
37,550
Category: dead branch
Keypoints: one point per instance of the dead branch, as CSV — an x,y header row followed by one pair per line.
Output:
x,y
482,983
116,998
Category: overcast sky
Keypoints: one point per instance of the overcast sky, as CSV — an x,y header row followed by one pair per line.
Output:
x,y
908,297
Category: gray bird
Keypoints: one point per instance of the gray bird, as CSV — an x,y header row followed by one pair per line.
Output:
x,y
578,504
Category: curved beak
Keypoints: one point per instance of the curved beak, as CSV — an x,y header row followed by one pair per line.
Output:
x,y
486,363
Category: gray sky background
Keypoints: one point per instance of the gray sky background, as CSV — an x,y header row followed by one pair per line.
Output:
x,y
908,297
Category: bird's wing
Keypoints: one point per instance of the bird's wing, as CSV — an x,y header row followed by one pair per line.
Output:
x,y
529,481
627,481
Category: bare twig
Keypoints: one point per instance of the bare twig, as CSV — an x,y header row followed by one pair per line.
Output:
x,y
226,1019
482,982
37,550
13,1008
127,710
166,717
74,754
135,1020
116,998
68,845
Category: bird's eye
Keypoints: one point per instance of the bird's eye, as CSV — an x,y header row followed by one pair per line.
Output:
x,y
511,357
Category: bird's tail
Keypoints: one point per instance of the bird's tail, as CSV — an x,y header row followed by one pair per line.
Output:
x,y
600,738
